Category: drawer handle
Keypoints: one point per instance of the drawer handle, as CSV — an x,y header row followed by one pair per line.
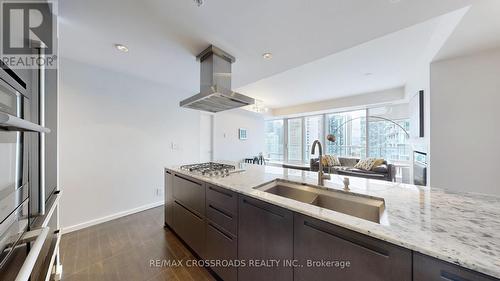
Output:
x,y
187,209
220,211
262,208
189,180
354,242
220,191
220,231
168,172
451,277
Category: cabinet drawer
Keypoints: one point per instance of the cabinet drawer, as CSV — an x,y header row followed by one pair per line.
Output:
x,y
430,269
190,193
223,198
222,217
265,232
222,246
369,259
190,227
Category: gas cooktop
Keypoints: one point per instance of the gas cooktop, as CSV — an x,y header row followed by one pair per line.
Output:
x,y
209,169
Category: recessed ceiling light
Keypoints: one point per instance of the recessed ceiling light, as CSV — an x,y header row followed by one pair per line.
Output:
x,y
267,56
121,48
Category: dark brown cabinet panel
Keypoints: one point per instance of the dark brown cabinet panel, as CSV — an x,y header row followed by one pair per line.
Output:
x,y
265,232
223,198
190,192
190,227
223,247
222,223
222,217
221,208
169,198
426,268
369,259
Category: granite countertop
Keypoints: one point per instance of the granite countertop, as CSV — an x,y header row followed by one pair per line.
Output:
x,y
461,228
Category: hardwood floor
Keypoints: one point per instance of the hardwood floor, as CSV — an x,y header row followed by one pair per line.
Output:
x,y
122,250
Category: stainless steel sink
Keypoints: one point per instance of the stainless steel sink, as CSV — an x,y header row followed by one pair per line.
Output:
x,y
368,208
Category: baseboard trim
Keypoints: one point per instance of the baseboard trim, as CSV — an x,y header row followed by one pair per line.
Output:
x,y
110,217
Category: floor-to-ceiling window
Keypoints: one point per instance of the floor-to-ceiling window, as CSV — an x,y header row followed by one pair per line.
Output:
x,y
290,139
274,140
388,140
349,128
294,137
313,130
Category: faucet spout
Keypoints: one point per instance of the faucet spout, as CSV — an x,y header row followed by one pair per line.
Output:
x,y
320,148
321,173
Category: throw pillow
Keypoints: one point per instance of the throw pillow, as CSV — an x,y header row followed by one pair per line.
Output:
x,y
365,164
334,160
330,161
325,161
377,163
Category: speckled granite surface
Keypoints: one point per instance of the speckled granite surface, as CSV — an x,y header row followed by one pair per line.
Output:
x,y
461,228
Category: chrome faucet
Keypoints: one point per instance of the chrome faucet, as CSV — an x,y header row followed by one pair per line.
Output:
x,y
321,174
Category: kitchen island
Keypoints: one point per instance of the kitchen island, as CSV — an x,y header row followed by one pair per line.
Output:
x,y
430,228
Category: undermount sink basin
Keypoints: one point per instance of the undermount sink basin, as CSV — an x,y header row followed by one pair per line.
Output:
x,y
364,207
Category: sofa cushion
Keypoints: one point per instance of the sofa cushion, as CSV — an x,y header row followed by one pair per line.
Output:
x,y
380,168
348,162
360,171
366,164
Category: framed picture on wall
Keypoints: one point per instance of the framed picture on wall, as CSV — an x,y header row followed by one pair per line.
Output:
x,y
242,134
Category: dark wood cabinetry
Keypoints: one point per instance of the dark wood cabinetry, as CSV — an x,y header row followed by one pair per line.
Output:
x,y
352,256
169,198
190,227
223,247
221,208
426,268
187,207
265,232
222,222
190,192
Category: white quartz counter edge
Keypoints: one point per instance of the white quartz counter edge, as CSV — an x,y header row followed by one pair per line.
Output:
x,y
346,221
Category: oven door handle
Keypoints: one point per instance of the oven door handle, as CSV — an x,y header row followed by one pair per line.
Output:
x,y
29,263
13,123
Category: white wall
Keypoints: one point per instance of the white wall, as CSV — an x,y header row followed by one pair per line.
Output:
x,y
420,80
116,135
227,144
465,110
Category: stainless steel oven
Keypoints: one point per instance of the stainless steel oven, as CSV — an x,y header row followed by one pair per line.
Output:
x,y
14,182
17,134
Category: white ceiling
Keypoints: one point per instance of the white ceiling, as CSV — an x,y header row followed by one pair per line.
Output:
x,y
479,30
164,36
384,63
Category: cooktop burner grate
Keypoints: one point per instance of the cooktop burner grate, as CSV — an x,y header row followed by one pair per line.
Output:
x,y
210,169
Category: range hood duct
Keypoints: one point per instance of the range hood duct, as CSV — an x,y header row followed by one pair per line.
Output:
x,y
215,84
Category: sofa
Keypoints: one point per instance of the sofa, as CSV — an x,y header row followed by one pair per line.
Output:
x,y
384,171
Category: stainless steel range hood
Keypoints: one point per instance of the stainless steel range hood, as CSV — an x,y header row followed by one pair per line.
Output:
x,y
215,84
